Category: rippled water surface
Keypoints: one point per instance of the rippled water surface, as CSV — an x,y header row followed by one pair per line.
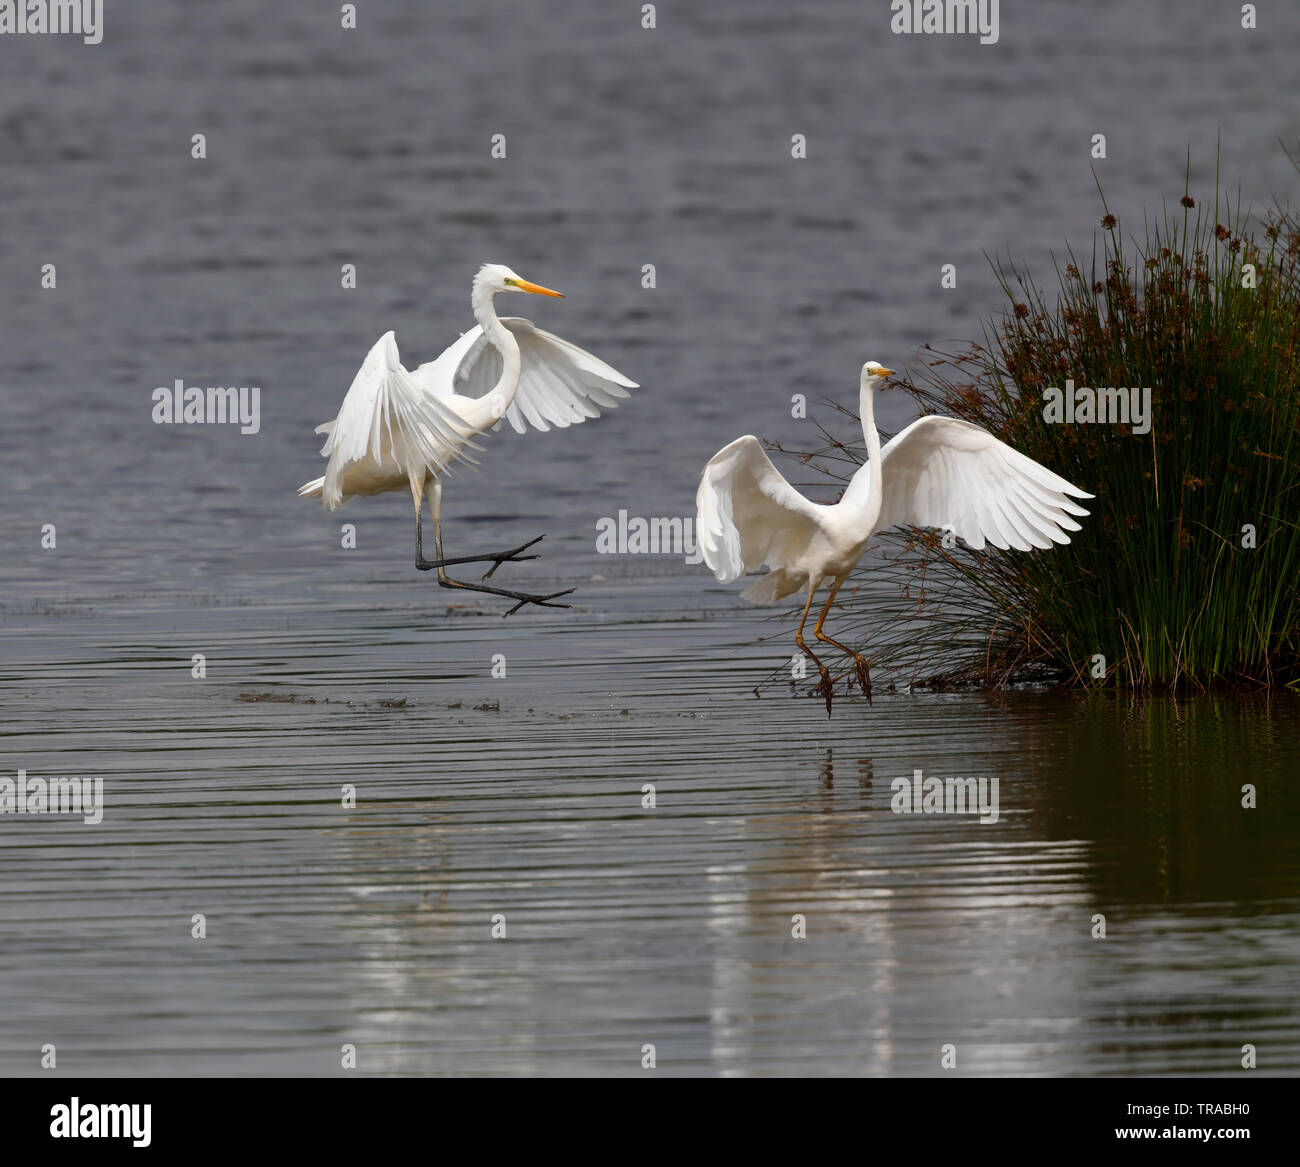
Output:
x,y
522,795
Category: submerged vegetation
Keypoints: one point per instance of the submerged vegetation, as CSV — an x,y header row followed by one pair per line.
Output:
x,y
1186,572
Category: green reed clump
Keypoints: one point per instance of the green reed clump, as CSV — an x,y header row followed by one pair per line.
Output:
x,y
1187,570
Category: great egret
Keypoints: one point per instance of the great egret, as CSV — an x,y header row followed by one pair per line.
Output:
x,y
400,429
938,472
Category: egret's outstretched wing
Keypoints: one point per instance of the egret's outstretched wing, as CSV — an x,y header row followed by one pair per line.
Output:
x,y
439,376
941,472
387,417
748,515
559,383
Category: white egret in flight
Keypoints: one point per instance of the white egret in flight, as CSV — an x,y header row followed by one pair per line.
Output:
x,y
938,472
399,429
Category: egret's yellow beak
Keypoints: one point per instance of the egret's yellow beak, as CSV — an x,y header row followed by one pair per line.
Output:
x,y
537,289
882,372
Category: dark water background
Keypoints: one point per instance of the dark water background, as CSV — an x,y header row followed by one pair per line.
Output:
x,y
775,276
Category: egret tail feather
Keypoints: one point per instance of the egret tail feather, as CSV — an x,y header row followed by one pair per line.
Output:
x,y
773,586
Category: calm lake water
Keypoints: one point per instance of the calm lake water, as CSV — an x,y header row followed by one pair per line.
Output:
x,y
522,796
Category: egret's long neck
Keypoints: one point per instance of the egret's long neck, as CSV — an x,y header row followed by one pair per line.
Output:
x,y
503,340
865,487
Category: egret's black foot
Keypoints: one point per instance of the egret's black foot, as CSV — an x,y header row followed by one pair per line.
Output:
x,y
542,601
495,558
512,557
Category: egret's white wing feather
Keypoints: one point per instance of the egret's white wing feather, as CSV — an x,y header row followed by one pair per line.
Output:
x,y
748,515
942,472
560,384
438,376
388,417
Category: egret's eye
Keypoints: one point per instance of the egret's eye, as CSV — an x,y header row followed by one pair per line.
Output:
x,y
509,282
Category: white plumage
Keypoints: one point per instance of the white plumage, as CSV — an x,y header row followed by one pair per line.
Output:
x,y
405,429
748,516
387,423
938,472
559,383
942,472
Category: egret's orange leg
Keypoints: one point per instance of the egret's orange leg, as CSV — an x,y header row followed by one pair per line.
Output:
x,y
863,669
798,639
